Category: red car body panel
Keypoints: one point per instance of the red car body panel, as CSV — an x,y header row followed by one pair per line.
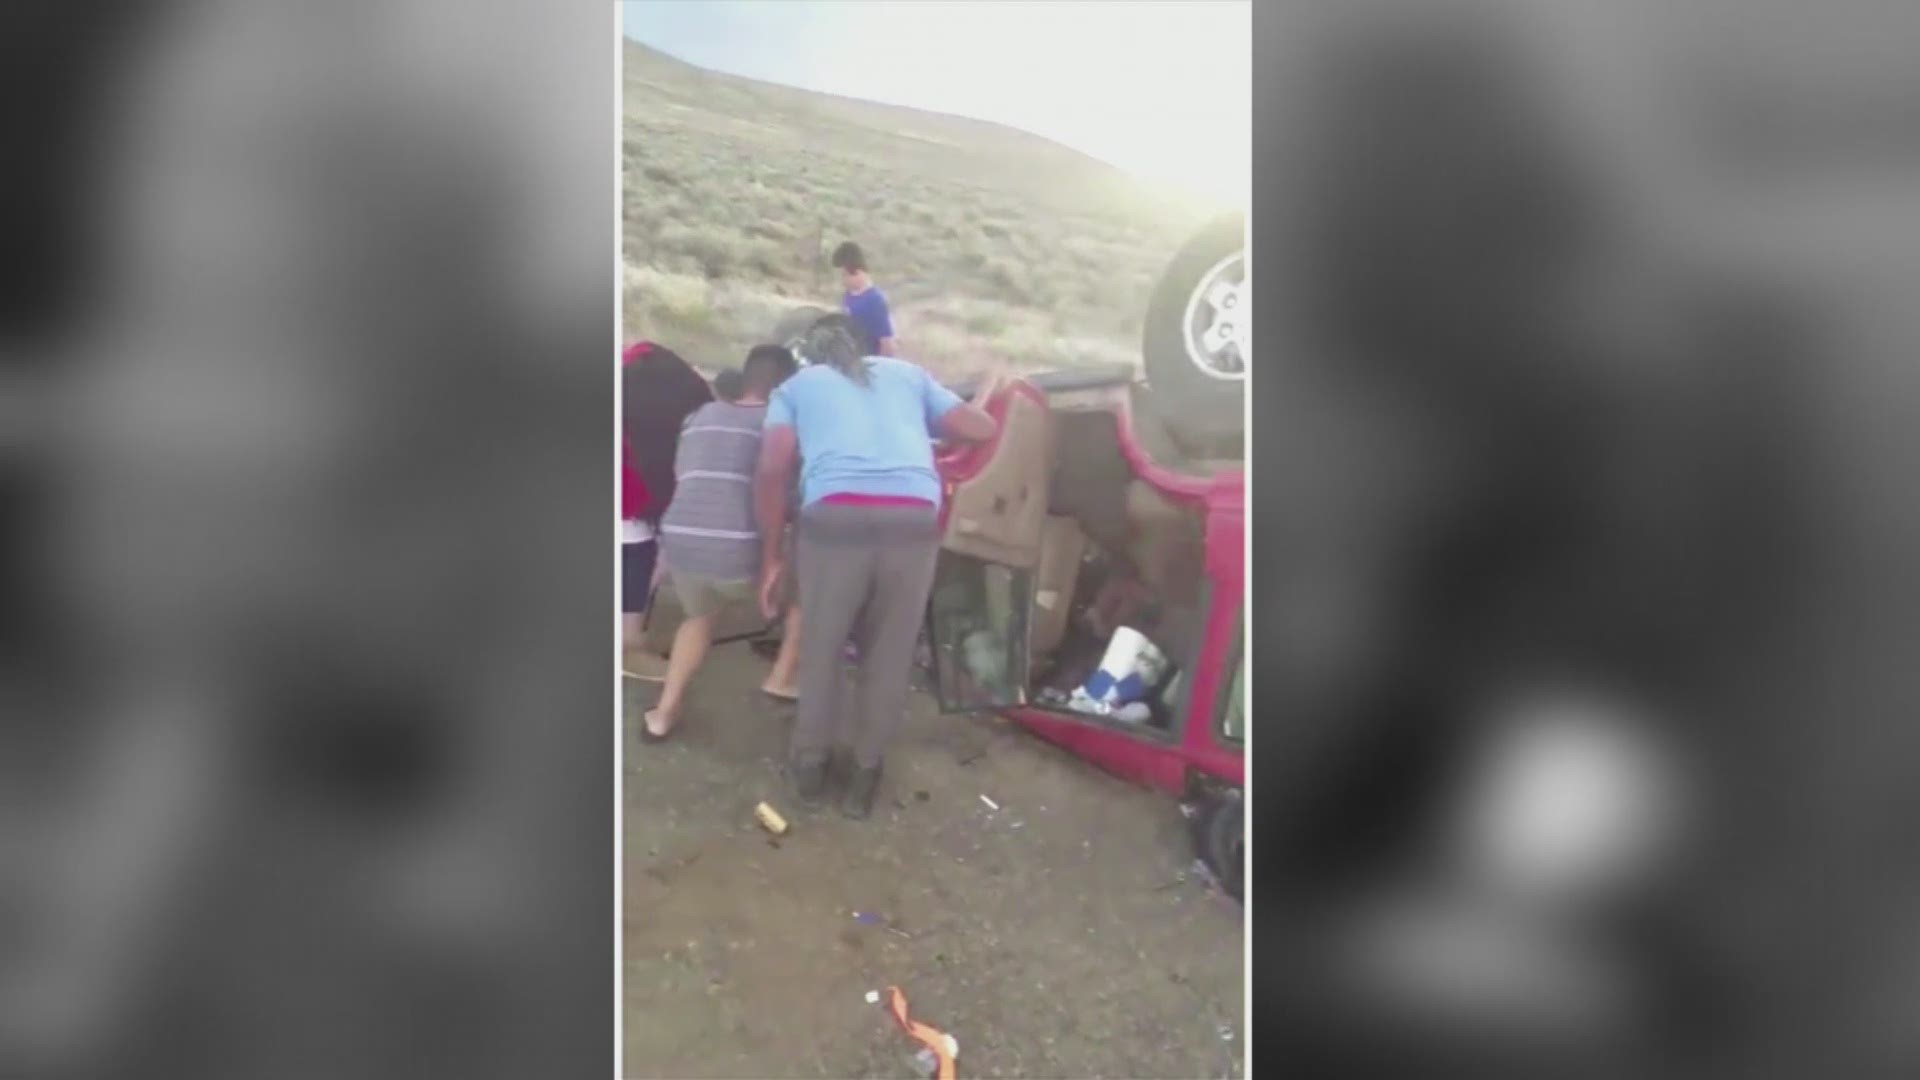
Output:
x,y
1198,748
962,461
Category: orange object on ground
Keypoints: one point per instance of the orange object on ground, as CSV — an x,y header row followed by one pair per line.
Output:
x,y
932,1038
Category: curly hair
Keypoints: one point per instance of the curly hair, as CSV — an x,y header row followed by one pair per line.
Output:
x,y
835,341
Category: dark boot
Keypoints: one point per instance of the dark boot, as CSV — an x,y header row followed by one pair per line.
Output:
x,y
808,779
862,785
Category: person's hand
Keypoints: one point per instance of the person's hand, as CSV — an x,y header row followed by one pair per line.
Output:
x,y
991,383
770,575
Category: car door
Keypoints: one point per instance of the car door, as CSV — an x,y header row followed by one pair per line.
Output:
x,y
1214,731
994,523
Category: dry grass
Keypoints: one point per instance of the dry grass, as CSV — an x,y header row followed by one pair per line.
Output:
x,y
990,243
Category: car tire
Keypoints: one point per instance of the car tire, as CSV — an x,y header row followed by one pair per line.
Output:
x,y
795,324
1221,837
1202,388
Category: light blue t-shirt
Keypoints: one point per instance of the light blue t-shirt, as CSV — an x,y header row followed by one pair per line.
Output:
x,y
864,440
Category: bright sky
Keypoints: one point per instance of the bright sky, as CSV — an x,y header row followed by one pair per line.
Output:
x,y
1160,88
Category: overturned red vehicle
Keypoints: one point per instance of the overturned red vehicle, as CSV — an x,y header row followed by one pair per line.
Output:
x,y
1112,498
1087,494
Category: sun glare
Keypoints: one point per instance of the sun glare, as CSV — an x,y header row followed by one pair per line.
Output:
x,y
1159,89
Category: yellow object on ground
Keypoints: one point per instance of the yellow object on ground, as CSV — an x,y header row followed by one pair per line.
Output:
x,y
770,819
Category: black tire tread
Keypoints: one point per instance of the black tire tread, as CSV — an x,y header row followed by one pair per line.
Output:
x,y
1221,835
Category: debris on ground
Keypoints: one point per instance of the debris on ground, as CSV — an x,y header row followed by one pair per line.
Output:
x,y
941,1048
991,805
770,819
926,1064
974,940
1198,871
873,997
871,918
1203,873
662,874
1226,1033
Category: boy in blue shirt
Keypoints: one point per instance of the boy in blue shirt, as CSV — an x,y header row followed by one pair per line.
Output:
x,y
864,304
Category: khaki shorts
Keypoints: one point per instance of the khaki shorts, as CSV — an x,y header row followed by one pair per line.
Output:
x,y
700,597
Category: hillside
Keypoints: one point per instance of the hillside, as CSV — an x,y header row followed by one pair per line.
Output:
x,y
991,242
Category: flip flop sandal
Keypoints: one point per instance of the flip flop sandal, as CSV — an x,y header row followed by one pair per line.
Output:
x,y
786,698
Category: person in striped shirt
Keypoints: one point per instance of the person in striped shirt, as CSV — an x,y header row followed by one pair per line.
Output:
x,y
709,540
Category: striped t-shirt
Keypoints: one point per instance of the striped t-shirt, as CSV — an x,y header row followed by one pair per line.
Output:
x,y
709,528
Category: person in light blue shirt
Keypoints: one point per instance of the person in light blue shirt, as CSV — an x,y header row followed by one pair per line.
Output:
x,y
860,430
872,439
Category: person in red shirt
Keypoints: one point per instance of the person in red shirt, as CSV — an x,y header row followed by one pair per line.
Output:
x,y
638,555
658,391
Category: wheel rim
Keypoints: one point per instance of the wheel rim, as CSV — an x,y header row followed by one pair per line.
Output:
x,y
1216,322
793,343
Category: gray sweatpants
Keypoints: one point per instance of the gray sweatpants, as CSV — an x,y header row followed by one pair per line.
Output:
x,y
864,569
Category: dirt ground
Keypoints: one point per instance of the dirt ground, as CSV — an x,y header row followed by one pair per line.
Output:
x,y
1063,934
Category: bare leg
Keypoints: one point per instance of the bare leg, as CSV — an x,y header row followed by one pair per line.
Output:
x,y
634,661
690,644
780,680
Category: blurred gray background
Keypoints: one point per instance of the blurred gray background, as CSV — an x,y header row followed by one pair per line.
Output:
x,y
1587,535
306,414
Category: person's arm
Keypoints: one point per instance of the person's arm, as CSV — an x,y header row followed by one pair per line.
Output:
x,y
950,418
967,423
772,480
